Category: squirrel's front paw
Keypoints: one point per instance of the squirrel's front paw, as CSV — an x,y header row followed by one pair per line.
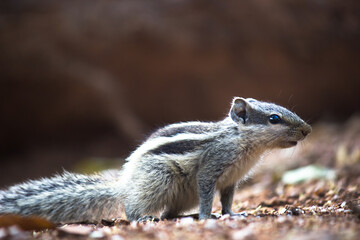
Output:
x,y
241,214
232,214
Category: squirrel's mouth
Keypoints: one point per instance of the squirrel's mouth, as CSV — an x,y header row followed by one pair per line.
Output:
x,y
289,144
292,143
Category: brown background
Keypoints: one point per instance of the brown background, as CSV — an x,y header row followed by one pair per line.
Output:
x,y
85,79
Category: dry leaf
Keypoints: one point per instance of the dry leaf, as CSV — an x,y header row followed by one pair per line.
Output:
x,y
31,223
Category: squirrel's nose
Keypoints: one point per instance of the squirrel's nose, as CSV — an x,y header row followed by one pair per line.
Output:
x,y
306,130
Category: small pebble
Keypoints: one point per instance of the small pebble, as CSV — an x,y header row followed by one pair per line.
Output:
x,y
245,233
210,224
97,234
117,237
186,221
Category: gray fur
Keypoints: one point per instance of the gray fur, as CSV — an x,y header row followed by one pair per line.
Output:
x,y
174,170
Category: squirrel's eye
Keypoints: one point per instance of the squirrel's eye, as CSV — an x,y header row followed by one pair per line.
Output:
x,y
274,119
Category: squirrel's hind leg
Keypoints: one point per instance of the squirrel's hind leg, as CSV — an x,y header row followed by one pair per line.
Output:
x,y
169,214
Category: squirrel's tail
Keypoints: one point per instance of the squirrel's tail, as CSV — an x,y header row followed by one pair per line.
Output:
x,y
65,198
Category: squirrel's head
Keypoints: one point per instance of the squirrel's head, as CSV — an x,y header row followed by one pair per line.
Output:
x,y
272,124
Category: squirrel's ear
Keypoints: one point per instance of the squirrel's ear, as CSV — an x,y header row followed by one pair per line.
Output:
x,y
238,111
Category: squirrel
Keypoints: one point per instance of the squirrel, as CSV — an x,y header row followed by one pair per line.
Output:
x,y
177,168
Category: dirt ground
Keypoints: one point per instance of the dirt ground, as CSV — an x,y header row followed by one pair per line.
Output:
x,y
315,206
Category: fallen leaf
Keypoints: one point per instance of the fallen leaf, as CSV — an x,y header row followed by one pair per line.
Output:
x,y
31,223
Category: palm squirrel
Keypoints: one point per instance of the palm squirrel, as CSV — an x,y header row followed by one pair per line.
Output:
x,y
177,168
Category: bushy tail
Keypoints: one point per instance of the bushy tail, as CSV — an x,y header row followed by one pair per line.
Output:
x,y
65,198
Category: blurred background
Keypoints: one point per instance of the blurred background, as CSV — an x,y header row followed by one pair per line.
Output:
x,y
82,83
